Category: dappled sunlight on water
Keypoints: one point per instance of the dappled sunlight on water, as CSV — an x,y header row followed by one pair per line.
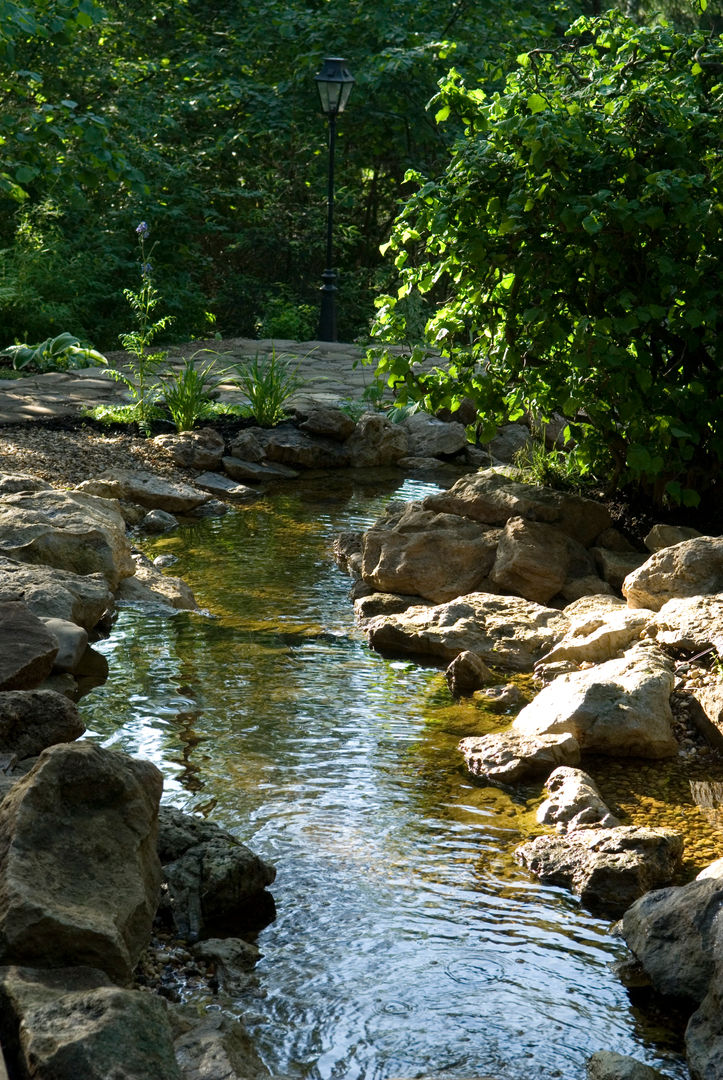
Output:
x,y
407,940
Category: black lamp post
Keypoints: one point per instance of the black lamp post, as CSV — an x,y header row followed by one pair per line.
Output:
x,y
334,82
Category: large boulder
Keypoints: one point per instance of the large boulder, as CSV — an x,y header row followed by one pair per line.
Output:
x,y
619,708
328,422
508,758
534,560
72,1023
492,497
216,885
31,720
28,647
198,450
58,594
504,631
145,488
68,530
691,568
429,437
607,868
376,441
79,870
599,634
418,553
287,445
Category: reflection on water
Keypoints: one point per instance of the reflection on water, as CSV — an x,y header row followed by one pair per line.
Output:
x,y
407,940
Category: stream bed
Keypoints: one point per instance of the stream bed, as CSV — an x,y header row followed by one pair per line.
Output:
x,y
407,941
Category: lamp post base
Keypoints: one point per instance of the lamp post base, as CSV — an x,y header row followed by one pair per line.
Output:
x,y
327,317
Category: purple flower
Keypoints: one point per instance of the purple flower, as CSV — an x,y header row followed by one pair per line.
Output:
x,y
146,269
143,230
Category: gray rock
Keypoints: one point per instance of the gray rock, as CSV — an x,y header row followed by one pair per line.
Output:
x,y
225,487
151,587
288,446
72,643
72,1023
599,635
429,437
492,497
254,473
148,489
53,593
31,720
10,483
574,802
419,553
508,758
621,707
663,536
328,422
232,959
216,1047
607,868
533,560
376,441
28,647
691,568
614,566
197,450
376,603
606,1065
68,530
500,699
510,440
704,1033
79,872
504,631
158,521
248,445
215,884
467,673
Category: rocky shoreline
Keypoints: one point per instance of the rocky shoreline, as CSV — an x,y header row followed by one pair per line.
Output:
x,y
490,573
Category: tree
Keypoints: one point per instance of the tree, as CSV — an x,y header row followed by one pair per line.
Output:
x,y
571,256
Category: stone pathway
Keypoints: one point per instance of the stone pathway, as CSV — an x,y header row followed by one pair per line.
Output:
x,y
330,372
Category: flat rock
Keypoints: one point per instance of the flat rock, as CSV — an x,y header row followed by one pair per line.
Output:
x,y
68,530
509,758
79,872
255,472
691,568
31,720
607,868
379,603
148,489
225,487
574,802
150,587
600,635
28,648
500,699
504,631
691,623
621,707
72,1023
419,553
493,498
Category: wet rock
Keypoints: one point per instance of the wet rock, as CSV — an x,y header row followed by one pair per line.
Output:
x,y
509,758
691,568
662,536
533,560
347,552
621,707
72,1023
68,530
72,642
605,1065
328,422
492,498
254,473
79,872
197,450
574,802
216,885
419,553
500,699
28,648
31,720
367,607
376,441
430,437
600,635
151,587
467,673
504,631
148,489
158,521
53,593
225,487
232,959
607,868
216,1047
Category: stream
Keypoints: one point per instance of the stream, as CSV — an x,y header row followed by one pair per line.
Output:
x,y
407,942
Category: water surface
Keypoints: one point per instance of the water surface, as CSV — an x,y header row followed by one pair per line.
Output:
x,y
407,942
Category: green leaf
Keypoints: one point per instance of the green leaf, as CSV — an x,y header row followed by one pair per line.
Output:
x,y
536,103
